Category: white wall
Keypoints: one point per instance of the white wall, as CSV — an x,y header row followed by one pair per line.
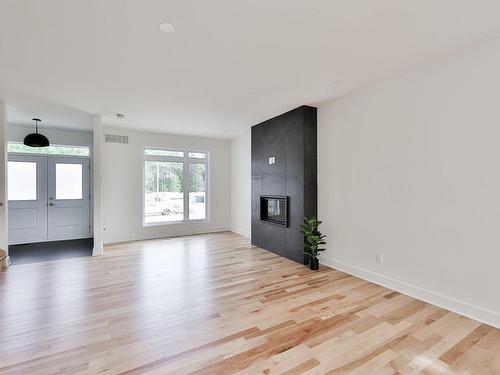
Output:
x,y
241,184
122,168
411,168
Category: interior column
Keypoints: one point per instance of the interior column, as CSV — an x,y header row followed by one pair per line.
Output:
x,y
97,173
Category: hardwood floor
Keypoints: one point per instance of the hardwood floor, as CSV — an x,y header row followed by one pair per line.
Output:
x,y
213,304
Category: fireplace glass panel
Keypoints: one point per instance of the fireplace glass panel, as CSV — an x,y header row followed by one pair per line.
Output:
x,y
274,210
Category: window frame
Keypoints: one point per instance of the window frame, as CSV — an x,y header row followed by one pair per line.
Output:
x,y
186,160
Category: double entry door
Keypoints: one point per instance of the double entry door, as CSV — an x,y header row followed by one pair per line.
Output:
x,y
48,198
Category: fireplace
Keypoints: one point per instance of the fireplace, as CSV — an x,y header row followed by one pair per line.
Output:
x,y
284,164
274,209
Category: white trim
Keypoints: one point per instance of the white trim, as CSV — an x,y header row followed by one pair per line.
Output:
x,y
181,222
147,237
449,303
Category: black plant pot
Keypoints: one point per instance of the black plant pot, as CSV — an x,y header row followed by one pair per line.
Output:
x,y
314,264
306,259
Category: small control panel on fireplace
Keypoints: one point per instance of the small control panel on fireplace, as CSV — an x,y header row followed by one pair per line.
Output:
x,y
274,209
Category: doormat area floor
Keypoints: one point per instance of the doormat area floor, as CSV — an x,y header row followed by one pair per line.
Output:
x,y
53,250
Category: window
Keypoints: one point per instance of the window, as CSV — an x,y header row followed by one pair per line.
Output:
x,y
21,177
164,197
175,186
50,150
69,182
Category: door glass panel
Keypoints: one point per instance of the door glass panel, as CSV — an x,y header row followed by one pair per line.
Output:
x,y
22,181
197,190
164,198
69,181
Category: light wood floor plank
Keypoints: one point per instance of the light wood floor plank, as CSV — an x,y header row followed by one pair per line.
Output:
x,y
215,304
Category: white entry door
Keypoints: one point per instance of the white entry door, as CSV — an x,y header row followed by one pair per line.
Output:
x,y
48,197
27,195
68,198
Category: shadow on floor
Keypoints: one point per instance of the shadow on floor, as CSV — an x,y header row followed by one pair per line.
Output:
x,y
44,251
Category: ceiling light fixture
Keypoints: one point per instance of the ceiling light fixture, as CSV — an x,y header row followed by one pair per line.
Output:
x,y
166,27
36,139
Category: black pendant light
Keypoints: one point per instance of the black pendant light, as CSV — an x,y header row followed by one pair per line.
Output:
x,y
35,139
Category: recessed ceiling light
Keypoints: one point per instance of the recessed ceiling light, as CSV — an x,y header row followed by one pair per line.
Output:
x,y
166,27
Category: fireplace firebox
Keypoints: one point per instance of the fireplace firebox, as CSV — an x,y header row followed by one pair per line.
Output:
x,y
274,209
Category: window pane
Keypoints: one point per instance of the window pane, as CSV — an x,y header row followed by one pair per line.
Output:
x,y
69,183
22,181
197,189
155,152
51,150
164,199
197,155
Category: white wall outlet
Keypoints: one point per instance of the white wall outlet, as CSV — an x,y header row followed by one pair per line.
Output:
x,y
272,160
379,258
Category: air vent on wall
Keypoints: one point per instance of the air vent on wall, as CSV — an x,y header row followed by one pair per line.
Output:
x,y
114,138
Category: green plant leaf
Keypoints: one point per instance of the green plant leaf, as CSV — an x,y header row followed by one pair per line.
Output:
x,y
313,238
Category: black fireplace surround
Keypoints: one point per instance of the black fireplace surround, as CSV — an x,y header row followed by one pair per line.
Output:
x,y
274,209
284,174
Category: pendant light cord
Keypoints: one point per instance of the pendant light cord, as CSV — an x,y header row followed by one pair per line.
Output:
x,y
37,120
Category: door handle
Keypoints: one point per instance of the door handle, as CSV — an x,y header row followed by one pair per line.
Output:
x,y
51,204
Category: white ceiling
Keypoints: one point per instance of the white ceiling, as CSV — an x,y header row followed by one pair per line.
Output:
x,y
228,65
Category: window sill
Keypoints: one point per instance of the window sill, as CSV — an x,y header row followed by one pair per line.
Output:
x,y
159,224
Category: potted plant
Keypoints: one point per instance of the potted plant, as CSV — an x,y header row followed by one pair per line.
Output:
x,y
313,239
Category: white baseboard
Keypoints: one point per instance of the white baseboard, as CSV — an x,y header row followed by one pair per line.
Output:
x,y
449,303
241,232
145,237
98,250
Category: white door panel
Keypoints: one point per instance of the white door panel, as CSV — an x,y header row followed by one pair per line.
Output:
x,y
27,194
68,198
23,218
